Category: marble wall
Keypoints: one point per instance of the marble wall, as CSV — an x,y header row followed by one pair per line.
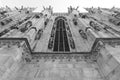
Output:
x,y
10,62
109,65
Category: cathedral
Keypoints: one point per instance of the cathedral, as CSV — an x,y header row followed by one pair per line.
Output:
x,y
59,46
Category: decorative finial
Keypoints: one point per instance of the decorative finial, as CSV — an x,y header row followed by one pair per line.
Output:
x,y
43,7
77,7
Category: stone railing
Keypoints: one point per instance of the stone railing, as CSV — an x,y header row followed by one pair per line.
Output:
x,y
27,54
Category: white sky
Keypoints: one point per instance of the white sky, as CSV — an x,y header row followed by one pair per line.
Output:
x,y
61,5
